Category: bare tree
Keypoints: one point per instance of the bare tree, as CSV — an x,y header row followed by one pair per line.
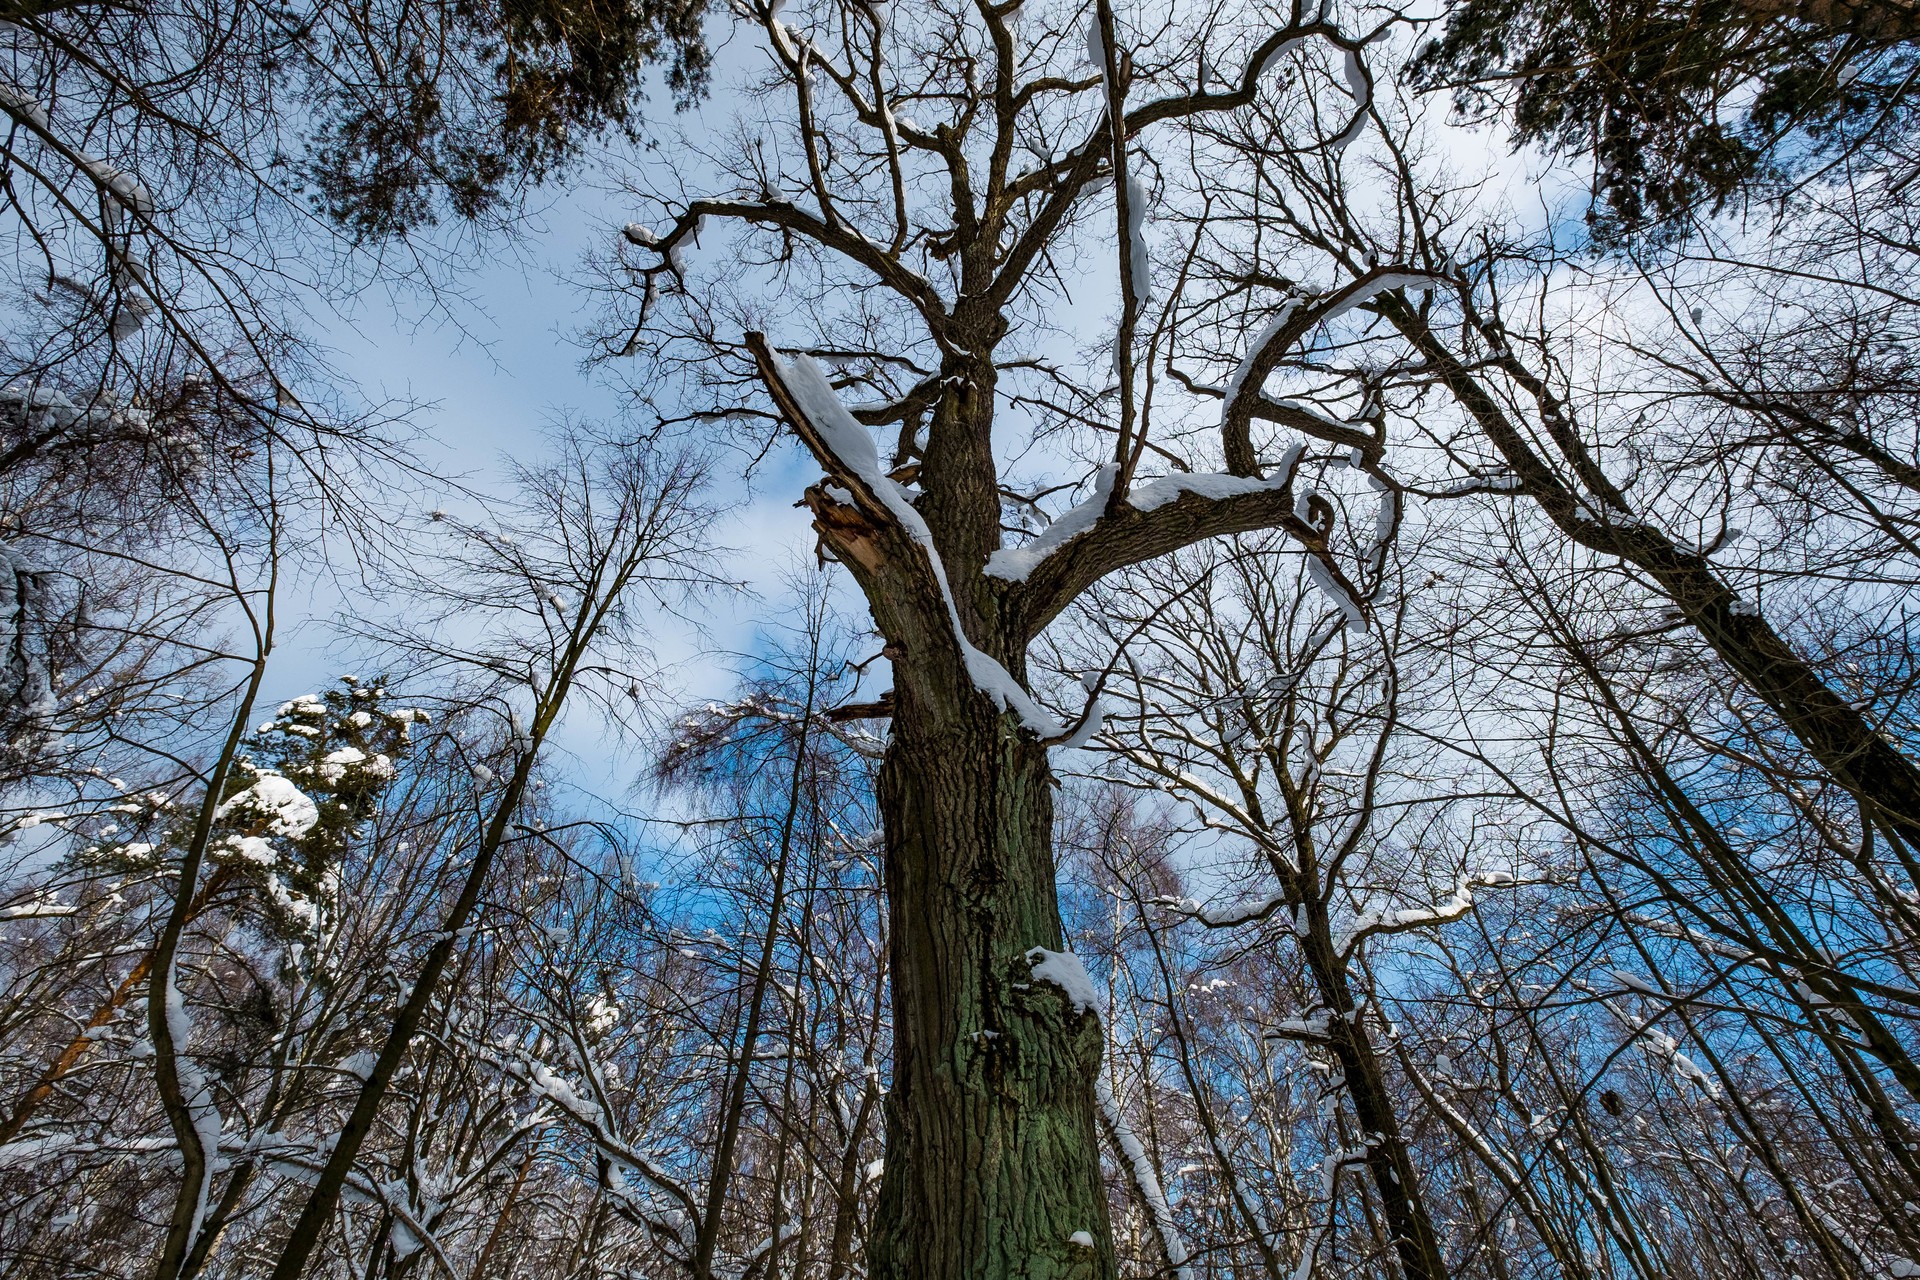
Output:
x,y
593,530
938,166
1398,755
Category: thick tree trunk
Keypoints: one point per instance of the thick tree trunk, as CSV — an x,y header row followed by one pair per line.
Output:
x,y
992,1166
993,1158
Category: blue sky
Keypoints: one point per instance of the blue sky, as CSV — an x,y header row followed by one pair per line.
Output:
x,y
503,362
489,379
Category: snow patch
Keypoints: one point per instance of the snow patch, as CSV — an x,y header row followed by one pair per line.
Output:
x,y
1063,969
1146,1179
854,450
1016,564
284,808
1362,91
1418,281
1268,331
1140,265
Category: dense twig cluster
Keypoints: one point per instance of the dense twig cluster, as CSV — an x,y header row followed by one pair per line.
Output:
x,y
1400,758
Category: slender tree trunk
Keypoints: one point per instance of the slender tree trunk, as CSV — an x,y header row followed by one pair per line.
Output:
x,y
1486,1229
741,1071
185,1096
847,1188
1833,731
1728,874
218,1219
1394,1178
506,1213
317,1213
602,588
992,1158
1519,1190
75,1049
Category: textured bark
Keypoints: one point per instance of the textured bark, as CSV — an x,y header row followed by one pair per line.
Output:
x,y
992,1164
992,1158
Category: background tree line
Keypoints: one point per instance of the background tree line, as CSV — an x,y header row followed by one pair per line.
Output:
x,y
1344,725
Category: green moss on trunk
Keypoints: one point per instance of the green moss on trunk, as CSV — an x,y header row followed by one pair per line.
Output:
x,y
992,1157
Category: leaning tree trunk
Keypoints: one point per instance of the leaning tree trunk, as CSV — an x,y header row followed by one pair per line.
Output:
x,y
992,1167
1389,1162
1838,735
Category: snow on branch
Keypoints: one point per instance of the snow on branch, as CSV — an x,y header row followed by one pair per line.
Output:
x,y
34,608
1331,1166
273,804
119,190
1369,923
1090,723
678,1221
121,195
1242,395
1014,564
847,452
1017,564
1146,1180
1336,591
1360,85
1660,1047
1247,911
1499,483
1139,261
1063,969
1275,325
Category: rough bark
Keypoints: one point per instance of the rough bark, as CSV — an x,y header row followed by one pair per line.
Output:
x,y
992,1163
993,1166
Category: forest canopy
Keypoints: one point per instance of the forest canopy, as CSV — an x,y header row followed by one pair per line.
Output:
x,y
1326,692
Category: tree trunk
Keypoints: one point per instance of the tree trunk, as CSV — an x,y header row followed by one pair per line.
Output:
x,y
1395,1180
1836,734
993,1155
992,1159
